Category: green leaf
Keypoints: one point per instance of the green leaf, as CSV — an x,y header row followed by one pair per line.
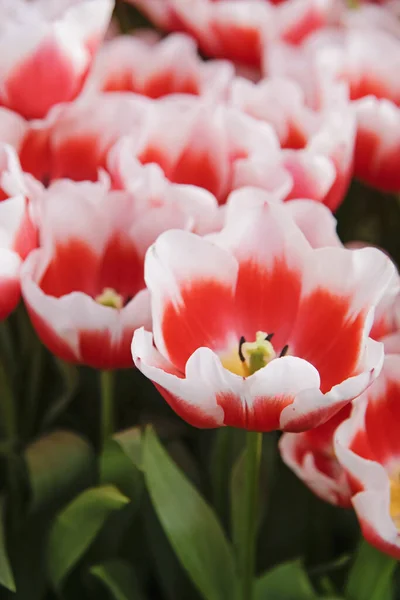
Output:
x,y
288,581
371,574
189,523
60,465
119,578
76,527
6,575
120,462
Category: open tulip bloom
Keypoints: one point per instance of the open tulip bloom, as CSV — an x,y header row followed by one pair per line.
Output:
x,y
255,329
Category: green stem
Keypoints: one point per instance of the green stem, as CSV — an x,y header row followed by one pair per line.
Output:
x,y
370,575
253,459
107,405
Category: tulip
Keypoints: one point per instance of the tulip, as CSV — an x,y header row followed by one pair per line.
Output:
x,y
238,30
367,447
47,50
84,287
255,329
157,68
328,132
18,234
311,455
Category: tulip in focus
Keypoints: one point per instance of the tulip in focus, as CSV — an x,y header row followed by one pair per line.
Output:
x,y
241,323
47,47
84,287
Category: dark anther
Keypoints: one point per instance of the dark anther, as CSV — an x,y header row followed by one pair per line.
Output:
x,y
284,351
241,342
269,337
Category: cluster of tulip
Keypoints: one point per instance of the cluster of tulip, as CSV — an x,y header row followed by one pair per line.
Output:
x,y
166,205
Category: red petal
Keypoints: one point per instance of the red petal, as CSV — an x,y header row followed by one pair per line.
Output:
x,y
238,43
73,268
35,154
381,422
100,351
198,168
267,300
205,318
46,78
165,83
121,268
79,158
10,293
190,413
327,338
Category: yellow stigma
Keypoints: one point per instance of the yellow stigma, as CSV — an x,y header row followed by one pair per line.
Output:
x,y
395,501
257,354
250,356
109,297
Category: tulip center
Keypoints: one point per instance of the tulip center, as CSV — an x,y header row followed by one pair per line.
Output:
x,y
109,297
395,501
251,356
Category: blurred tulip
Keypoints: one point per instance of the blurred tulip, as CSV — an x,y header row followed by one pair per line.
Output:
x,y
328,132
255,329
311,455
220,149
367,446
47,47
18,235
157,68
84,287
73,141
238,30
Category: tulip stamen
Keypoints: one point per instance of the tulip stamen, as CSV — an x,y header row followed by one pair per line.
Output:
x,y
284,351
109,297
241,355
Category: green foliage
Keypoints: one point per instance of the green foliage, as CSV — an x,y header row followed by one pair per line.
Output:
x,y
193,531
75,528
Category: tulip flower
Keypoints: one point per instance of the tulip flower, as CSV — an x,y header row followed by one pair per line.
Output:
x,y
157,68
311,455
329,132
52,44
238,30
356,55
84,287
220,149
367,447
255,329
18,234
74,140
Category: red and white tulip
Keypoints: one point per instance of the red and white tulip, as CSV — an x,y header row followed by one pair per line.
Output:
x,y
367,446
84,287
74,140
18,235
329,132
239,30
256,329
46,49
311,455
157,68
